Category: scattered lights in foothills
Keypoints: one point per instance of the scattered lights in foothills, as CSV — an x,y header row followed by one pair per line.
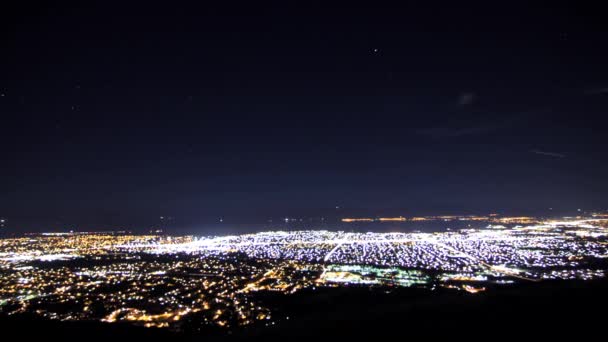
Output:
x,y
185,281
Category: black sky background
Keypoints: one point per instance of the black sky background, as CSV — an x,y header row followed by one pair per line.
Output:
x,y
113,115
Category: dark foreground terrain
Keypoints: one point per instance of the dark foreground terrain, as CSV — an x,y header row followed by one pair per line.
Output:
x,y
565,309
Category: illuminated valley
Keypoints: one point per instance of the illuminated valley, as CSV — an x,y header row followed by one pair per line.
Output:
x,y
185,281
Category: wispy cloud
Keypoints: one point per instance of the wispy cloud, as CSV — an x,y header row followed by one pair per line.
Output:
x,y
466,98
453,132
490,124
597,91
549,154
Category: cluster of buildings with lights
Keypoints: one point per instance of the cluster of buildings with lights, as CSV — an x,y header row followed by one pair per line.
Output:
x,y
173,281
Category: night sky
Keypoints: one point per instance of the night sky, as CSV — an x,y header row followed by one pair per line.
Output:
x,y
115,115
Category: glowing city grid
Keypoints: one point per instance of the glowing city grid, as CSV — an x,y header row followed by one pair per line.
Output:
x,y
168,281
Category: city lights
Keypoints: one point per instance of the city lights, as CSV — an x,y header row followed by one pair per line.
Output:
x,y
160,281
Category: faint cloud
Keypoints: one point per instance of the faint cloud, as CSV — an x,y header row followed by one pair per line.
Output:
x,y
549,154
478,127
597,91
467,98
453,132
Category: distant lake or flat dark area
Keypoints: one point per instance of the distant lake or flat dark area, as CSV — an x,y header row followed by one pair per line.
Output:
x,y
358,227
227,228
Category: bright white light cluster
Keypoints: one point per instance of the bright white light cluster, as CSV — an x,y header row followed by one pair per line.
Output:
x,y
158,281
531,252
